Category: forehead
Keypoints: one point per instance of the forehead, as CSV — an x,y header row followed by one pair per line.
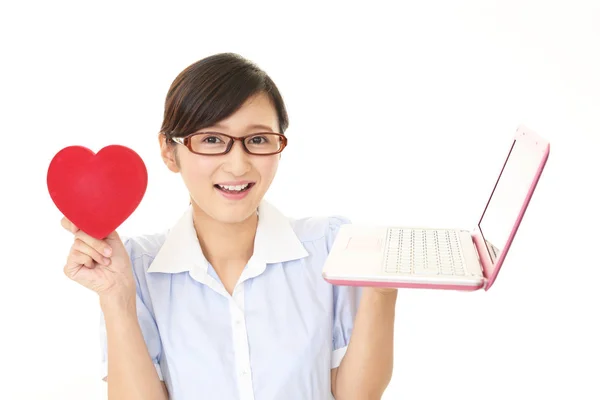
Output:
x,y
257,113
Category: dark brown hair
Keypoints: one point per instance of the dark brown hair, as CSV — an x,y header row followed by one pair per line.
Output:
x,y
212,89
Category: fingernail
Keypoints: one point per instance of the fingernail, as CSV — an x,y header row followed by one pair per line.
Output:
x,y
107,251
106,261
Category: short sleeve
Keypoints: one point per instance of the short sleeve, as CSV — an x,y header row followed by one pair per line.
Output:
x,y
345,304
147,325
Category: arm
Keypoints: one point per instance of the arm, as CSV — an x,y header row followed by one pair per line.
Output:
x,y
105,267
366,369
131,373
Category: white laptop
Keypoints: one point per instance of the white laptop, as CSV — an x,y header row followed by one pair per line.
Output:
x,y
455,259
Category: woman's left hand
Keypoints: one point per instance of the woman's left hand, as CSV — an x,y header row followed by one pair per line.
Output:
x,y
382,290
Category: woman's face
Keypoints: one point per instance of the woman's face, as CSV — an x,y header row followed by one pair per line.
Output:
x,y
205,176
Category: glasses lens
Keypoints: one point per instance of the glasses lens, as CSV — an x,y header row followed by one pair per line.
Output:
x,y
263,143
209,143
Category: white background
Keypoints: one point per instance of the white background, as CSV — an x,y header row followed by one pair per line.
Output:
x,y
399,113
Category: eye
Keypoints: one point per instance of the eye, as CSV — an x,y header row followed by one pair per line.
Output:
x,y
211,139
258,140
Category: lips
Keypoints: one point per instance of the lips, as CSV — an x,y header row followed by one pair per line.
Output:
x,y
235,188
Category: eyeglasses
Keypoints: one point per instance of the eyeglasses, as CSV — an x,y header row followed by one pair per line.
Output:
x,y
214,143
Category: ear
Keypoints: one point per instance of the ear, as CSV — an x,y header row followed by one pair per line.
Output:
x,y
168,153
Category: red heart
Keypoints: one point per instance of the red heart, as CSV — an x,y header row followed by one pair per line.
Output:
x,y
97,192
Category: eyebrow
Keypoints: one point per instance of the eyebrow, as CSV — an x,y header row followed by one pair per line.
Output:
x,y
253,126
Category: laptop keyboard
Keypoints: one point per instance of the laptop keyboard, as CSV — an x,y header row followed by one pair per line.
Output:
x,y
423,252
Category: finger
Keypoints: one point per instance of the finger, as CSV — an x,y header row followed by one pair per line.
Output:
x,y
113,236
76,259
99,245
75,262
68,225
72,268
82,247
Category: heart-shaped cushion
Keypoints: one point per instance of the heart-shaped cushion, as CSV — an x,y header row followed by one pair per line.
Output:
x,y
97,192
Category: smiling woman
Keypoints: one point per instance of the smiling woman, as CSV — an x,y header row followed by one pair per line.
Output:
x,y
230,303
219,155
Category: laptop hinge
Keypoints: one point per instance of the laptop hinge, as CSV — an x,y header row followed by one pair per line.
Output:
x,y
478,259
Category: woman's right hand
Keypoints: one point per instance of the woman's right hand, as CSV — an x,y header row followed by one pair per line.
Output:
x,y
103,266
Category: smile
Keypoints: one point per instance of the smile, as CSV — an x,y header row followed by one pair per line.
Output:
x,y
235,188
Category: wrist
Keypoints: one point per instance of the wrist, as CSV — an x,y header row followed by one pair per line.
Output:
x,y
386,292
119,302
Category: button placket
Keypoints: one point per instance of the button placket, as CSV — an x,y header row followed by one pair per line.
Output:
x,y
240,342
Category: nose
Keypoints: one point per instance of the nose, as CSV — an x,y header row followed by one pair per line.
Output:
x,y
237,161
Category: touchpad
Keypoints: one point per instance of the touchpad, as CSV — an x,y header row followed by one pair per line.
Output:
x,y
364,243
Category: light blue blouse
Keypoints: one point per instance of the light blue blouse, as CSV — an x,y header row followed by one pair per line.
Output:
x,y
276,337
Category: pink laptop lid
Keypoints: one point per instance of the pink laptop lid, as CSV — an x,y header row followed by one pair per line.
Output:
x,y
509,200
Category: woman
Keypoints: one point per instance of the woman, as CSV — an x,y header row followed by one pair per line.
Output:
x,y
230,303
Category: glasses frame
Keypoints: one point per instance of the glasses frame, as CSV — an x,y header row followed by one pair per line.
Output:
x,y
187,142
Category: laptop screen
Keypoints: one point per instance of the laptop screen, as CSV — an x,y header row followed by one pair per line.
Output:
x,y
511,193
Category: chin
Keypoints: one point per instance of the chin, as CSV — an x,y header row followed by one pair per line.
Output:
x,y
229,212
227,208
233,216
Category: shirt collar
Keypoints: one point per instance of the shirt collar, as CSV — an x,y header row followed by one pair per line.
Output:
x,y
275,242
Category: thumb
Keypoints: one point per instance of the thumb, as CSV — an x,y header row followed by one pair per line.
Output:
x,y
116,244
113,236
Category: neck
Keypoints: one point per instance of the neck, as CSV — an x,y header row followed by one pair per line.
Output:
x,y
224,243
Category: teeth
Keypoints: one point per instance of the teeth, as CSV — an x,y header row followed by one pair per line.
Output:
x,y
236,188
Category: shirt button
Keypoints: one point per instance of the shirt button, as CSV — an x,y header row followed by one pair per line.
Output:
x,y
245,372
